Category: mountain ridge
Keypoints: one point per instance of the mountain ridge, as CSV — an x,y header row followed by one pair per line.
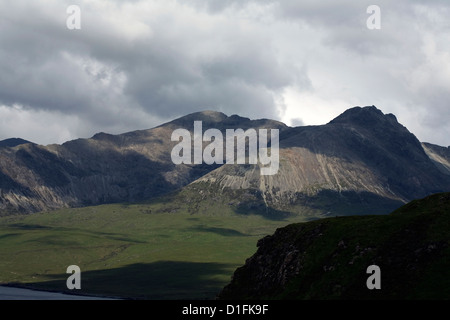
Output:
x,y
362,155
336,163
13,142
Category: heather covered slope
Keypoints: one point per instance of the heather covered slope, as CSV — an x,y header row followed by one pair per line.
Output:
x,y
328,258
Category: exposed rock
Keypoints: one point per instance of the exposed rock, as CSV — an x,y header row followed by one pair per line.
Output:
x,y
411,246
361,161
439,155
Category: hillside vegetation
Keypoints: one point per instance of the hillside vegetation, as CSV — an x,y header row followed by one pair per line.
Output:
x,y
328,258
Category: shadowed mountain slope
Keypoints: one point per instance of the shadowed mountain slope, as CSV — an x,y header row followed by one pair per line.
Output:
x,y
129,167
12,142
362,161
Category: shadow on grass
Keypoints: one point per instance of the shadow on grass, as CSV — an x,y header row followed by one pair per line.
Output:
x,y
334,203
27,226
55,234
9,235
325,203
226,232
259,208
161,280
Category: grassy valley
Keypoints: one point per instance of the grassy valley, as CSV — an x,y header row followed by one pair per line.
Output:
x,y
328,258
145,251
179,247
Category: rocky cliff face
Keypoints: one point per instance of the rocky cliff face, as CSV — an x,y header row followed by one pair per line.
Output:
x,y
361,159
328,258
439,155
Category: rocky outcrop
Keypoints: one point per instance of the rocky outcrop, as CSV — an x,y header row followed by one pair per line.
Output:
x,y
329,258
439,155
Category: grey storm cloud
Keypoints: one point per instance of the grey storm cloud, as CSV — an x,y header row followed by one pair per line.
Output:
x,y
135,64
166,74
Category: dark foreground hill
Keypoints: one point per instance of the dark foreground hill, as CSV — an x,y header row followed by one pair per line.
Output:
x,y
328,258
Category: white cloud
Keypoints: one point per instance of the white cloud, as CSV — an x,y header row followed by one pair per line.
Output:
x,y
37,125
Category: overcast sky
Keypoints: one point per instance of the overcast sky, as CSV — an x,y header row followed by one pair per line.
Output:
x,y
135,64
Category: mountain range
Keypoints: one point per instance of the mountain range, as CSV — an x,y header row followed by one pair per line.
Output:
x,y
361,161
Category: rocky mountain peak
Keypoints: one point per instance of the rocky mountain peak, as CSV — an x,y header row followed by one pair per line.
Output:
x,y
103,136
13,142
365,116
219,120
208,117
361,158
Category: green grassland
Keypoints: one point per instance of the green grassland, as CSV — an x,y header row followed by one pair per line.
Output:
x,y
142,251
188,245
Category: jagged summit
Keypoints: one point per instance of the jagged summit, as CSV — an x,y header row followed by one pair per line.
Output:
x,y
13,142
102,136
363,157
219,120
369,115
207,116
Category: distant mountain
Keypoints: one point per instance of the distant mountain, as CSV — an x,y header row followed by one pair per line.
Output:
x,y
329,258
129,167
362,161
13,142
